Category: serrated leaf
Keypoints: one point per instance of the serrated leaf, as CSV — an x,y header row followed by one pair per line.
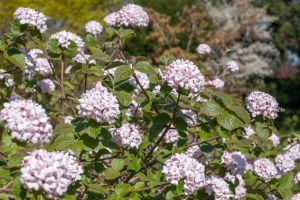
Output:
x,y
122,73
229,121
16,57
211,108
123,97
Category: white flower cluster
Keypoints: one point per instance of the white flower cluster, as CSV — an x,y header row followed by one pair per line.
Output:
x,y
181,166
296,196
297,178
128,136
217,83
51,172
293,150
265,169
219,187
46,85
284,163
93,27
64,39
248,131
232,66
185,74
99,104
83,59
27,121
260,103
143,80
171,135
203,49
191,118
195,152
36,64
275,139
235,162
31,17
9,82
129,15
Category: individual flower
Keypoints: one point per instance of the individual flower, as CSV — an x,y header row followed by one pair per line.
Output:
x,y
128,136
83,59
203,49
68,119
64,39
260,103
9,82
248,131
46,85
218,187
93,27
232,66
296,196
191,117
50,172
143,80
129,15
235,162
31,17
27,121
184,74
297,178
284,163
275,139
265,169
181,166
99,104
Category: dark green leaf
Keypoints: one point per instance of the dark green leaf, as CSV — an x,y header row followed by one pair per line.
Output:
x,y
53,46
211,108
15,57
122,73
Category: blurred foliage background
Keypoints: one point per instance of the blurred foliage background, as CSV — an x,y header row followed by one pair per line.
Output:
x,y
262,35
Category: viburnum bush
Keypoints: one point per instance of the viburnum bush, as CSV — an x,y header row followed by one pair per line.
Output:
x,y
81,118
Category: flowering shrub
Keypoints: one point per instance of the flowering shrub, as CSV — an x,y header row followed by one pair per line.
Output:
x,y
83,119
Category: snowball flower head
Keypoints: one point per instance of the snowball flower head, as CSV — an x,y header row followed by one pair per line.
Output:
x,y
31,17
284,163
27,121
128,136
232,66
171,135
235,162
181,166
185,74
203,49
93,27
36,63
143,80
260,103
99,104
275,139
64,39
293,150
50,172
46,85
296,196
129,15
265,169
219,187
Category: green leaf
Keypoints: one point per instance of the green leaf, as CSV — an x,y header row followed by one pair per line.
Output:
x,y
72,50
118,164
96,188
162,119
242,113
125,32
139,185
2,45
122,189
16,57
17,188
229,121
155,130
123,97
99,55
96,70
17,28
53,46
90,41
180,124
111,174
225,98
254,197
122,73
145,67
5,174
211,108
